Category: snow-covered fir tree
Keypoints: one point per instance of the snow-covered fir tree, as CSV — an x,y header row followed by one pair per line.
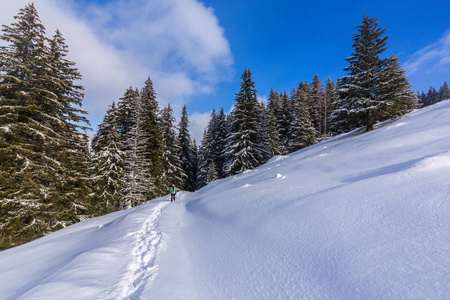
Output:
x,y
108,178
301,130
24,151
363,91
245,146
444,92
153,147
44,158
359,91
194,161
204,162
186,152
275,145
431,97
221,133
331,96
340,116
73,153
136,164
172,164
216,141
307,99
285,121
395,91
208,147
127,113
320,106
276,111
211,150
212,172
263,120
275,122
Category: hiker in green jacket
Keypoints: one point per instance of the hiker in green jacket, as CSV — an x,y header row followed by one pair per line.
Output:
x,y
173,192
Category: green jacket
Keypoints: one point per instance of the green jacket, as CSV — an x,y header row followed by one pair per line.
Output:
x,y
173,190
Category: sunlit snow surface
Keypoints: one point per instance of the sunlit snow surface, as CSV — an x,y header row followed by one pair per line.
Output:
x,y
360,216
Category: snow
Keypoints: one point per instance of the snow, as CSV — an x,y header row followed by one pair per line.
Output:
x,y
359,216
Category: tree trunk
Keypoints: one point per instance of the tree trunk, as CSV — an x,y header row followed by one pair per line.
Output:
x,y
369,123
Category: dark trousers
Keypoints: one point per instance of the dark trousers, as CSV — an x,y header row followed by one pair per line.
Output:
x,y
172,197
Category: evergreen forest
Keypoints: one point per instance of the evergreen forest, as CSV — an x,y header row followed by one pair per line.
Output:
x,y
52,175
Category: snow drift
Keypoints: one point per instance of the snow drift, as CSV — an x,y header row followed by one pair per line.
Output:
x,y
359,216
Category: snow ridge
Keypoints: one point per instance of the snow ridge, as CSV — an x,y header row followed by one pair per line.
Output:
x,y
142,266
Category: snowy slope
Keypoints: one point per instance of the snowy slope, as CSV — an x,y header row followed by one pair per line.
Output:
x,y
360,216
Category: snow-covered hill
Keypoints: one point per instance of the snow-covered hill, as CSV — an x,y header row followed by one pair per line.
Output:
x,y
360,216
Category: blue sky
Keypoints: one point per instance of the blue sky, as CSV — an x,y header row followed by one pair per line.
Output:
x,y
286,41
195,52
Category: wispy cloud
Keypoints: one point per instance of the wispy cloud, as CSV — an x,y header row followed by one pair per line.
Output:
x,y
434,57
178,43
198,123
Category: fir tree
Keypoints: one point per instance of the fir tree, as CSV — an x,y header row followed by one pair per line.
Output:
x,y
194,161
276,111
245,150
43,156
154,147
209,141
139,123
172,164
319,106
27,169
131,143
431,97
212,172
263,120
221,133
376,88
186,152
204,162
137,179
340,119
301,129
396,96
306,97
421,97
444,92
286,119
360,90
108,165
211,154
216,141
127,113
275,145
73,152
331,96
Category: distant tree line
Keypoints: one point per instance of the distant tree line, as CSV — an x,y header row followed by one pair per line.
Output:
x,y
433,96
51,178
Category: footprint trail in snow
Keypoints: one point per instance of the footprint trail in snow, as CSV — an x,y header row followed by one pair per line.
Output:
x,y
141,267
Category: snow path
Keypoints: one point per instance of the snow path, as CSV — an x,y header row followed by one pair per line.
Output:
x,y
142,267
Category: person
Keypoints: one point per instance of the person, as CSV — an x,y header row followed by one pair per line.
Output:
x,y
173,192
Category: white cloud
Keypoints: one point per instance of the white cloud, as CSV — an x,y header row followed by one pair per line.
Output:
x,y
198,122
432,58
262,98
178,43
